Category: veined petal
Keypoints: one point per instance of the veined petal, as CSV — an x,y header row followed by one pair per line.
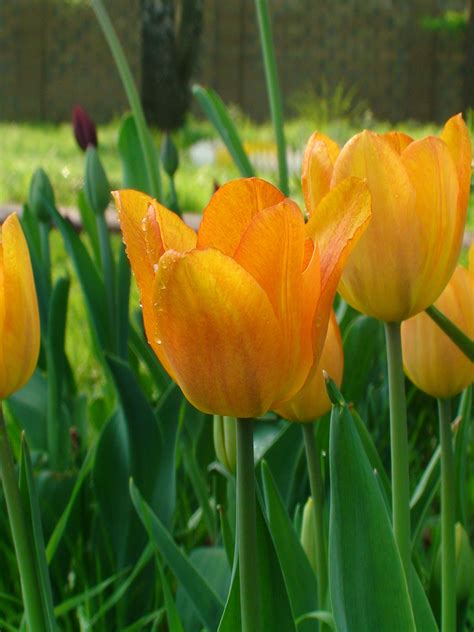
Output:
x,y
19,316
456,136
272,250
336,227
231,210
431,169
318,164
378,278
149,229
219,332
397,140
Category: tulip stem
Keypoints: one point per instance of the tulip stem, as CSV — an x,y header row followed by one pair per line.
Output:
x,y
399,446
149,154
247,527
273,88
317,492
448,553
21,537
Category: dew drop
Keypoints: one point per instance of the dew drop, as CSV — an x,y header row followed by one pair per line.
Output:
x,y
155,268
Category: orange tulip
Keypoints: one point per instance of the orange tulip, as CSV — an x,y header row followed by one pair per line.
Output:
x,y
420,190
19,317
231,311
432,361
312,401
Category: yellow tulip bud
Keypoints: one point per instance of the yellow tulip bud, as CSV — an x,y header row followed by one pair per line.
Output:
x,y
431,360
19,317
225,441
312,400
464,565
420,190
308,534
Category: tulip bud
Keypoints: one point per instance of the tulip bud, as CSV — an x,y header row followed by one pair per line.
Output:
x,y
312,401
19,325
308,534
96,185
431,360
84,128
464,566
225,439
41,196
169,155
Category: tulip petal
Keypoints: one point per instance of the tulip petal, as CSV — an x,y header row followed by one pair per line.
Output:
x,y
318,164
219,332
149,229
470,265
19,317
231,210
377,279
337,225
433,175
272,250
456,136
397,140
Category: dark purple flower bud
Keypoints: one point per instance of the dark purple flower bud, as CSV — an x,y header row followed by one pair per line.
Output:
x,y
84,128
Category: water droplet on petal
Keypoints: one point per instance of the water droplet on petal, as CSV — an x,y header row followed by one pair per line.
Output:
x,y
155,268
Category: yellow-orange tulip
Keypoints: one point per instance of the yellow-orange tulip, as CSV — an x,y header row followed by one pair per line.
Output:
x,y
232,311
19,318
420,191
312,400
431,360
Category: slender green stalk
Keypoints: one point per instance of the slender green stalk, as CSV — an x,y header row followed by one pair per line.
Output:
x,y
317,492
107,263
459,338
134,100
247,528
448,551
399,445
22,539
273,88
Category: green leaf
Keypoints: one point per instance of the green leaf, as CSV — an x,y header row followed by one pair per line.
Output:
x,y
172,616
28,407
73,602
57,428
299,576
142,349
424,618
275,608
459,338
61,525
317,615
367,583
211,563
217,114
32,512
134,173
89,225
122,297
423,495
91,284
460,455
362,341
207,603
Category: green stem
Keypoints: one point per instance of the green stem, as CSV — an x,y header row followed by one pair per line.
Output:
x,y
247,527
107,263
317,492
149,155
459,338
399,446
448,552
22,539
273,88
